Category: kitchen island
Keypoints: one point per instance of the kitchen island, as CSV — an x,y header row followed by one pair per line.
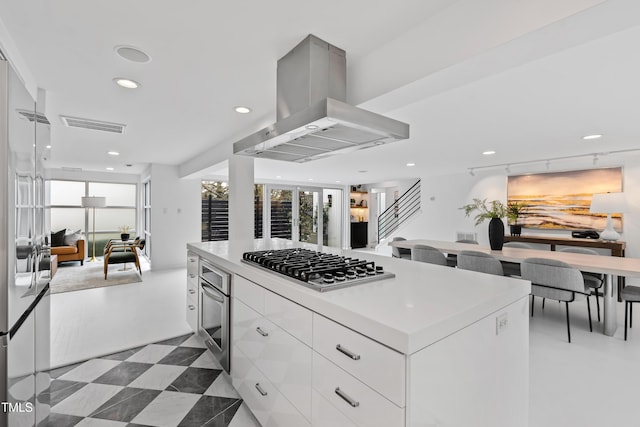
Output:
x,y
432,346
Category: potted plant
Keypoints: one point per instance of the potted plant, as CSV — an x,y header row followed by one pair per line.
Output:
x,y
124,233
514,210
494,211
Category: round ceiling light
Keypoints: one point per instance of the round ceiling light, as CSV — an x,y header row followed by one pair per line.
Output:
x,y
595,136
410,164
488,152
126,83
109,169
132,54
113,153
242,110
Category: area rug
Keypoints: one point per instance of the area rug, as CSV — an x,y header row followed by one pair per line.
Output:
x,y
71,278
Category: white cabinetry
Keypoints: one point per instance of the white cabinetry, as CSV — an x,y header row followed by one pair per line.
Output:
x,y
193,262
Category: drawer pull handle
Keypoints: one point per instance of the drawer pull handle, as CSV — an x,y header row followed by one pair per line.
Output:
x,y
192,291
261,332
192,307
191,275
347,398
260,390
192,260
347,353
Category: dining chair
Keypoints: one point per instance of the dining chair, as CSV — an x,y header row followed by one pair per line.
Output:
x,y
400,252
513,268
452,259
555,280
428,254
630,295
479,261
593,281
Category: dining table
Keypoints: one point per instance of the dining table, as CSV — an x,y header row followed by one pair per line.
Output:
x,y
607,265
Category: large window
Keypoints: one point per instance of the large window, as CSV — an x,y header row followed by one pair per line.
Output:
x,y
147,218
215,210
67,211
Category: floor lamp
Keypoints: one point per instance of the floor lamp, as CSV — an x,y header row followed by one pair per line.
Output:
x,y
94,202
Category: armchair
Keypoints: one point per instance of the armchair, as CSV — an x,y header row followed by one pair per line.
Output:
x,y
116,253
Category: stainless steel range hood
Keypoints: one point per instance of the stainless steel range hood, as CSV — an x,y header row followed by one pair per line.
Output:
x,y
313,120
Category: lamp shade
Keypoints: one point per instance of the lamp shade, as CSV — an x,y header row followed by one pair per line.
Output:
x,y
609,203
93,202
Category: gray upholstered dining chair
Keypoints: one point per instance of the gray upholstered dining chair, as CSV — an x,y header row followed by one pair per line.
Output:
x,y
555,280
400,252
629,295
593,281
513,268
479,261
428,254
452,259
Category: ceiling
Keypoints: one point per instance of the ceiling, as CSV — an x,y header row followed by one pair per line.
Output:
x,y
526,81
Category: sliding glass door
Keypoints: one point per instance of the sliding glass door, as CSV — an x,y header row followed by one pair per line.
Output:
x,y
305,214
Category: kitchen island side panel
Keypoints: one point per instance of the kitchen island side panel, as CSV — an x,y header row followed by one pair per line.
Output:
x,y
476,377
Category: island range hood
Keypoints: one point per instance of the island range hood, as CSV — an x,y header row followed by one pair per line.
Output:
x,y
313,120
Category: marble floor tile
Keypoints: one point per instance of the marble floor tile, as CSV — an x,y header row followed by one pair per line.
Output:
x,y
244,418
222,387
175,341
123,374
194,341
167,410
89,370
183,356
205,410
95,422
151,353
122,355
60,390
57,372
125,405
194,380
158,377
61,420
206,360
84,401
224,418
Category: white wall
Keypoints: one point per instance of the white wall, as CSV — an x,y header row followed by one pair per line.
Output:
x,y
442,197
175,216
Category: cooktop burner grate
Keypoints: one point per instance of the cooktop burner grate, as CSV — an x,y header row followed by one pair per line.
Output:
x,y
318,270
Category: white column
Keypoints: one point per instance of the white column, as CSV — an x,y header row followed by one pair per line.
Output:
x,y
241,202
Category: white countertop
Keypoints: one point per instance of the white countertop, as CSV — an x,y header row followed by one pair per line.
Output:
x,y
421,305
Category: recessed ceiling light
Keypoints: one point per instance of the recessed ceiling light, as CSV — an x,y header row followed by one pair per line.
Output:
x,y
594,136
133,54
411,164
488,152
242,110
109,169
310,179
126,83
278,177
113,153
48,146
338,182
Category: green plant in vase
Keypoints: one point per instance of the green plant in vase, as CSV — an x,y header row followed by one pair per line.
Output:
x,y
514,211
124,232
494,211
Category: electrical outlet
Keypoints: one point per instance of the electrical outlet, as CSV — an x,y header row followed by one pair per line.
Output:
x,y
501,323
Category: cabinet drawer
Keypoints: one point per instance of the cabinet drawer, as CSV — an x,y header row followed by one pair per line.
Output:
x,y
249,293
192,285
285,361
358,402
292,317
324,414
378,366
192,314
268,405
192,263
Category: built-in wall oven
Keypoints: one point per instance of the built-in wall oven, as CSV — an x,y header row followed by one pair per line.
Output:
x,y
215,288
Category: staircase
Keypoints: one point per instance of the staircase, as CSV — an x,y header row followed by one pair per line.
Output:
x,y
403,209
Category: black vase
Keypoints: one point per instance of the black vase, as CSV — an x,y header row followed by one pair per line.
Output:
x,y
516,230
496,234
124,236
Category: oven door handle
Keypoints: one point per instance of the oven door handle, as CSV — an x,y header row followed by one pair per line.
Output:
x,y
207,288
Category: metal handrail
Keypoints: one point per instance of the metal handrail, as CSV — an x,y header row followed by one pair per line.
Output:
x,y
399,211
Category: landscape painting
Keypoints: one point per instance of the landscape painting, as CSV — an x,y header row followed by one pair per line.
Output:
x,y
561,200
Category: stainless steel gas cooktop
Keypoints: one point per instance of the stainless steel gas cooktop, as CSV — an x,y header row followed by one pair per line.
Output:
x,y
317,270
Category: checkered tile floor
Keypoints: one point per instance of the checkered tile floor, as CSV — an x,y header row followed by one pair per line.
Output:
x,y
172,383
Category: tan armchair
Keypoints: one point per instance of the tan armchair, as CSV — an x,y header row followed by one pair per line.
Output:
x,y
70,253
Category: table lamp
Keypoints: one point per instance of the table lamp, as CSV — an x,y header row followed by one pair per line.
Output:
x,y
94,202
609,203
